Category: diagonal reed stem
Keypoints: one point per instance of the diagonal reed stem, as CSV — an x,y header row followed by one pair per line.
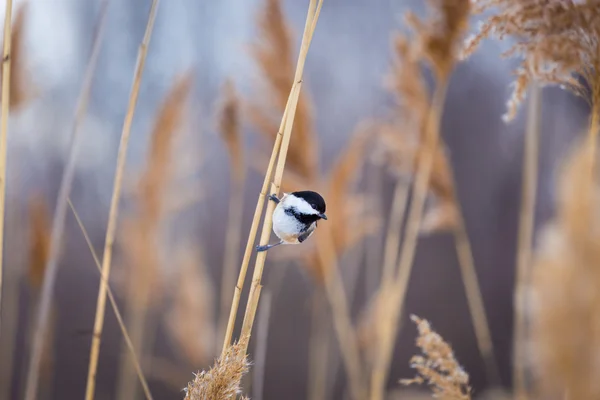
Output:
x,y
4,129
114,203
289,110
58,223
287,123
398,286
525,240
113,303
475,300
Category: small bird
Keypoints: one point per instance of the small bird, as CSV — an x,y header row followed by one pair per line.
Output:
x,y
295,217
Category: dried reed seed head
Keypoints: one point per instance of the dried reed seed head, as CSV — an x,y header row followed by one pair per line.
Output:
x,y
230,128
556,40
275,56
566,275
437,366
223,380
407,83
39,241
438,38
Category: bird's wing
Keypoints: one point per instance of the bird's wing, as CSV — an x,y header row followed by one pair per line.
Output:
x,y
304,235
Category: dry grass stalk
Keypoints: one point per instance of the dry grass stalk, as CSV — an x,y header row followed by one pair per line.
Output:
x,y
113,304
274,53
314,10
438,366
525,243
291,105
565,281
114,204
141,233
189,318
449,20
230,129
223,380
4,112
58,223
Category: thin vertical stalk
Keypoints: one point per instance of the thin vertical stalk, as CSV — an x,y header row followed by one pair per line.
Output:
x,y
400,282
525,240
262,335
475,301
392,238
237,293
334,290
113,303
4,130
114,204
314,10
318,348
58,223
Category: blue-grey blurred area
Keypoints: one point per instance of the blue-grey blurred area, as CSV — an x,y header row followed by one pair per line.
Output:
x,y
347,62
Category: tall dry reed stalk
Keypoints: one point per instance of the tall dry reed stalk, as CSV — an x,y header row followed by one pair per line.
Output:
x,y
141,233
525,241
557,43
4,112
283,132
436,42
565,279
58,223
437,366
114,204
113,304
314,10
230,129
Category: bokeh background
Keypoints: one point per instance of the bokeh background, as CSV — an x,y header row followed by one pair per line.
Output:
x,y
348,60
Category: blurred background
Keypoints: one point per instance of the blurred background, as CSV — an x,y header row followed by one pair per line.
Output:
x,y
169,286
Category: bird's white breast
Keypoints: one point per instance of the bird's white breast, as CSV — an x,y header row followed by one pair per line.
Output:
x,y
286,227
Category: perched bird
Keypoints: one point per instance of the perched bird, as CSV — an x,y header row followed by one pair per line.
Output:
x,y
295,217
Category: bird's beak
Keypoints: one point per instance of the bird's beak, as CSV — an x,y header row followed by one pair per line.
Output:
x,y
323,216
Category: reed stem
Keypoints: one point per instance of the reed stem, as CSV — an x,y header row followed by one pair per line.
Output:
x,y
475,301
113,303
400,282
114,204
60,213
525,240
4,130
283,133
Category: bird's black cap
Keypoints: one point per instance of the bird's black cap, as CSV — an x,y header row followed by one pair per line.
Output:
x,y
313,198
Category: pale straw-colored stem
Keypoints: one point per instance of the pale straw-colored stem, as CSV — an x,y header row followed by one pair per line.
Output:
x,y
6,61
525,240
285,134
260,358
255,288
113,303
389,327
60,213
233,238
237,292
114,203
475,300
392,238
334,290
318,347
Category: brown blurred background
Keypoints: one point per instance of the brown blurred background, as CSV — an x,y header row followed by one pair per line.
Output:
x,y
347,62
